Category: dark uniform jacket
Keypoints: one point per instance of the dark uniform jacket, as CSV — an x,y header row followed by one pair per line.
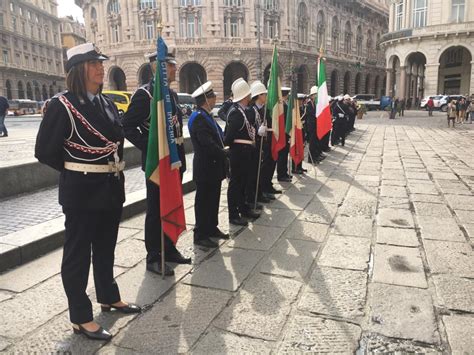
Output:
x,y
209,157
76,189
340,110
136,122
222,113
236,128
310,118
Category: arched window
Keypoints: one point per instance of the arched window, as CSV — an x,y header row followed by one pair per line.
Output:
x,y
114,6
370,43
303,23
21,90
359,41
347,38
335,33
147,4
270,4
9,89
93,13
321,29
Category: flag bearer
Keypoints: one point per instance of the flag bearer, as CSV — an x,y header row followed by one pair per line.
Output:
x,y
282,162
136,122
240,137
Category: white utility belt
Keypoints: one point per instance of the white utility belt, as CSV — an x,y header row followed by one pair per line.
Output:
x,y
110,168
244,141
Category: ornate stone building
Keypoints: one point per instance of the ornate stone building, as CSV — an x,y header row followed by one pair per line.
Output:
x,y
429,48
218,40
73,33
31,66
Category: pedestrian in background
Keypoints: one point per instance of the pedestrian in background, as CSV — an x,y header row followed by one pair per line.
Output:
x,y
470,111
462,107
430,106
81,136
451,112
3,112
393,108
402,107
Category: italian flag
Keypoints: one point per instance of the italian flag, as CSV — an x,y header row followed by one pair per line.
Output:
x,y
275,105
294,128
323,110
162,163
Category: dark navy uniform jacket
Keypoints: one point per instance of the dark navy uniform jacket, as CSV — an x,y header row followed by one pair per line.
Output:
x,y
76,189
136,121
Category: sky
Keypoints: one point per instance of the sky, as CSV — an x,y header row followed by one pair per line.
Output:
x,y
68,7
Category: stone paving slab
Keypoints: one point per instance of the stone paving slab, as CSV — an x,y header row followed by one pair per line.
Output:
x,y
394,202
402,312
217,341
440,229
21,279
398,218
315,232
261,307
432,209
397,265
256,237
313,334
345,252
225,270
290,258
335,292
175,324
353,226
449,258
426,198
276,218
459,202
455,292
460,330
397,236
293,202
129,253
319,212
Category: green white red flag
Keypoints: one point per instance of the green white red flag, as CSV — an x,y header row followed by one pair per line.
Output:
x,y
323,110
294,128
163,163
275,105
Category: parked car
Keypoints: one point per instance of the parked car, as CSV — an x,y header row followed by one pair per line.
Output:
x,y
121,99
438,100
368,100
186,103
443,106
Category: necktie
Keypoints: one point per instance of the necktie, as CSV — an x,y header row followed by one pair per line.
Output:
x,y
98,104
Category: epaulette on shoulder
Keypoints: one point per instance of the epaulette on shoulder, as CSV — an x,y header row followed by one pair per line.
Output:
x,y
146,88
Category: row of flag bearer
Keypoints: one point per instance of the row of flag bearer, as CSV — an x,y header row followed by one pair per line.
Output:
x,y
82,135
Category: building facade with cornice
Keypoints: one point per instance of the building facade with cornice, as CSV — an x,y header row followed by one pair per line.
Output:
x,y
31,63
219,40
73,33
429,48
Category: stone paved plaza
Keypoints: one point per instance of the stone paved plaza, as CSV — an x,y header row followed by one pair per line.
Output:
x,y
374,254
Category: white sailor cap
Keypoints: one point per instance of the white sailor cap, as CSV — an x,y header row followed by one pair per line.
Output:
x,y
204,89
285,89
83,53
170,58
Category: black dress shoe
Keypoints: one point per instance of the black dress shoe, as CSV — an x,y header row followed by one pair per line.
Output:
x,y
206,243
221,235
284,179
177,258
239,221
328,149
303,170
250,214
269,195
251,206
156,268
129,308
263,199
275,191
99,334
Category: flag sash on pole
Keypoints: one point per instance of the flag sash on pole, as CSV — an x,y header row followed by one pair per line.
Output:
x,y
294,128
275,104
323,110
163,163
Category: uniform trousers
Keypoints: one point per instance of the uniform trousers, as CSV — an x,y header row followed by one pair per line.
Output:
x,y
339,131
86,231
324,142
153,225
240,156
268,167
282,162
206,209
251,185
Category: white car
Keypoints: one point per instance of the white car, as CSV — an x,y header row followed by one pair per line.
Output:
x,y
437,101
215,110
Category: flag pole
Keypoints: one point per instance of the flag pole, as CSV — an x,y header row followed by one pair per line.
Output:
x,y
260,160
159,28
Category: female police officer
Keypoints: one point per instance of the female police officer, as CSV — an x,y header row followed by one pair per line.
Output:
x,y
81,136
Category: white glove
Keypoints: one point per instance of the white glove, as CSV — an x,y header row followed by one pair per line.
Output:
x,y
262,131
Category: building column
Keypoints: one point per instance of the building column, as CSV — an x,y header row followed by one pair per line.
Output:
x,y
391,25
431,79
403,83
388,85
407,11
471,82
